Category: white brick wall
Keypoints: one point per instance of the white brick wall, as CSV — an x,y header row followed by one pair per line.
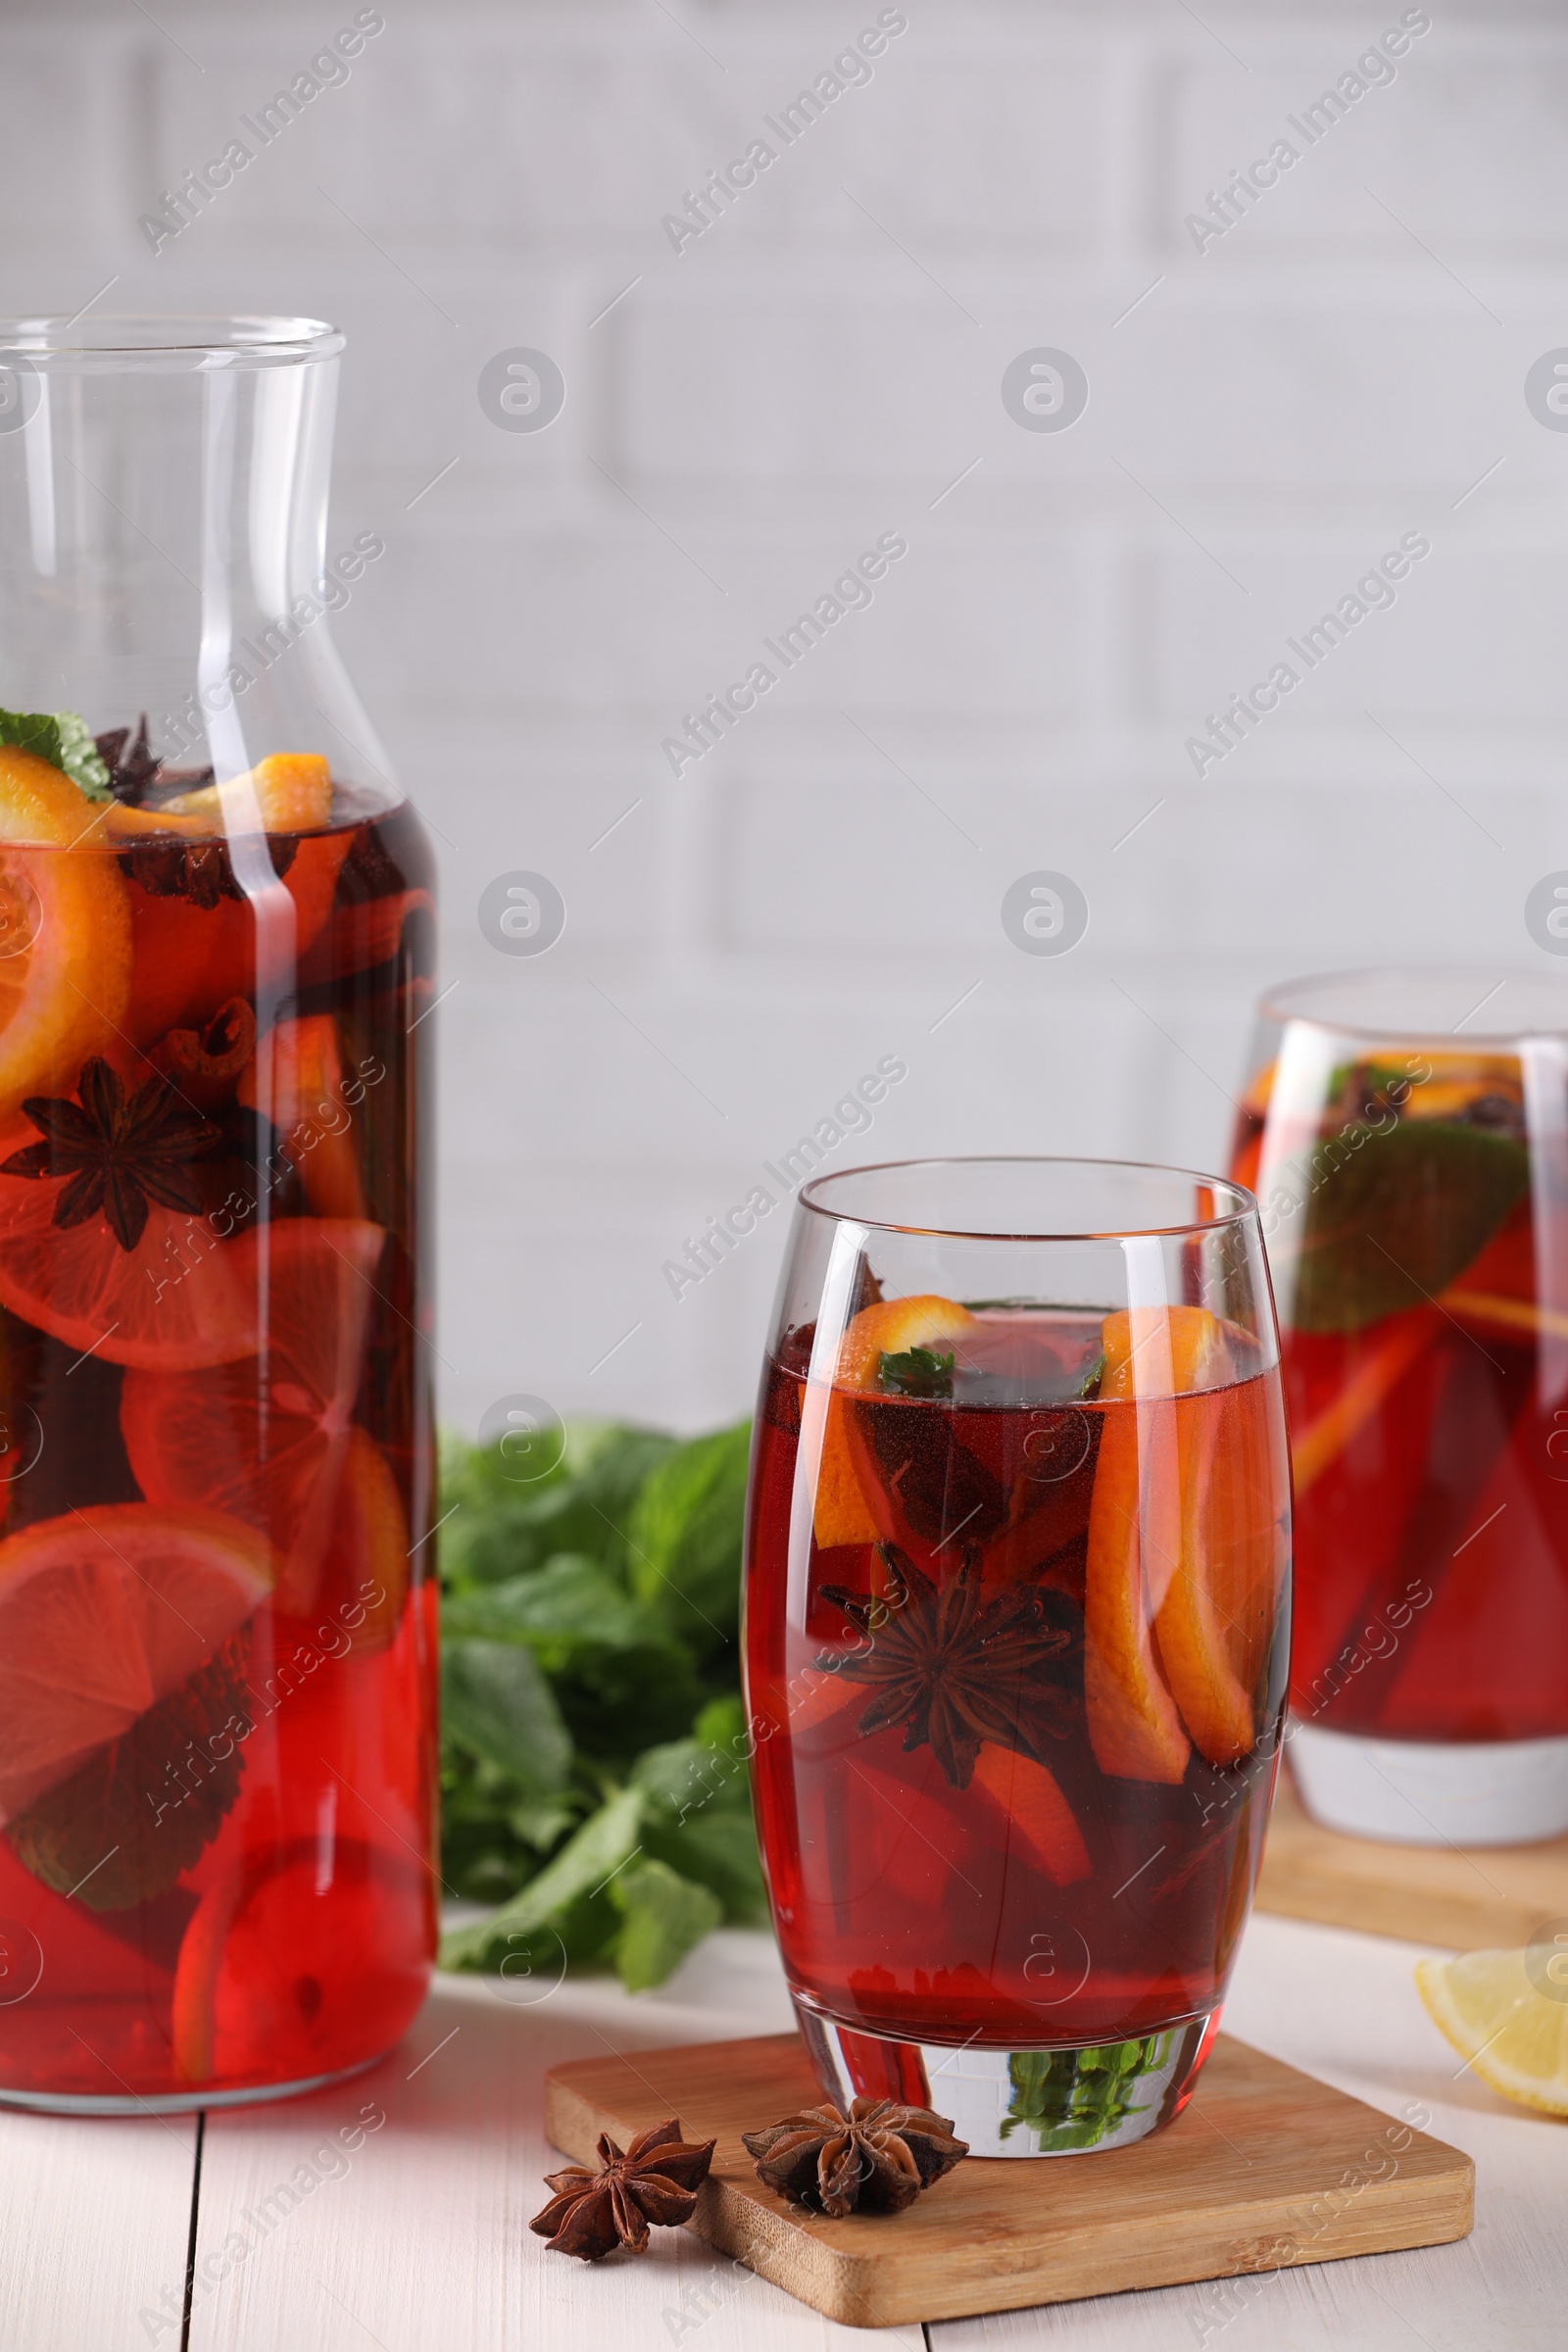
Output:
x,y
1336,370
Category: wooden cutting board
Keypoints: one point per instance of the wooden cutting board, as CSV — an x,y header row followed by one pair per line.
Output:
x,y
1266,2167
1470,1898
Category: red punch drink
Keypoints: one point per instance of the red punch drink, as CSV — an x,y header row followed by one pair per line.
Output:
x,y
1415,1193
1015,1598
217,1638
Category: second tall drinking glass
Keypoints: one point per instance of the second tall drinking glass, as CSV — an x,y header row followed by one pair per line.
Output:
x,y
1016,1621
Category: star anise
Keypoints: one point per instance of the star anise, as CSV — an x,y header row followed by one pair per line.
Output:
x,y
880,2155
656,2180
130,770
955,1668
118,1154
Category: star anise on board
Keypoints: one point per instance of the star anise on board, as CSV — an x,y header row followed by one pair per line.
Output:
x,y
118,1154
953,1667
878,2156
656,2180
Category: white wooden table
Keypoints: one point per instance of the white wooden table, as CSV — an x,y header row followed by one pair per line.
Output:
x,y
415,2237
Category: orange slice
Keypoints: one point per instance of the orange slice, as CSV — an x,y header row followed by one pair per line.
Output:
x,y
262,1991
1186,1546
1376,1376
1041,1820
892,1327
103,1613
272,1440
1153,1355
65,933
292,793
295,1079
1215,1626
182,1298
842,1513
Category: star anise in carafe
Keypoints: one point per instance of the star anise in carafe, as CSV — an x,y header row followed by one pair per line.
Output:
x,y
879,2156
955,1668
130,760
654,2179
118,1154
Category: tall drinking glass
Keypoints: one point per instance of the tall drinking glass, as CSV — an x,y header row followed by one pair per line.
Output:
x,y
1016,1626
1406,1134
217,1638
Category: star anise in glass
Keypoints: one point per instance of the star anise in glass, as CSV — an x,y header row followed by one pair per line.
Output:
x,y
656,2180
119,1155
878,2156
955,1668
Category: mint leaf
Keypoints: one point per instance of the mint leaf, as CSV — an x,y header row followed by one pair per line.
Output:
x,y
64,739
684,1540
579,1871
683,1777
496,1704
718,1851
35,731
664,1915
1392,1218
1073,2098
81,756
504,1528
916,1372
138,1813
619,1677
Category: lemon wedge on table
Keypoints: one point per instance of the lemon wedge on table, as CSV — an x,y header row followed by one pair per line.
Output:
x,y
1514,2036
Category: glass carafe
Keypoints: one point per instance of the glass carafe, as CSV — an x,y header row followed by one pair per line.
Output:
x,y
217,1633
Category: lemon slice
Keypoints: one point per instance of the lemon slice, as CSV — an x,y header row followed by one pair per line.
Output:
x,y
1514,2036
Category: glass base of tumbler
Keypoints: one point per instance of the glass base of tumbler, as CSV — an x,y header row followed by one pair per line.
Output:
x,y
1035,2102
1430,1793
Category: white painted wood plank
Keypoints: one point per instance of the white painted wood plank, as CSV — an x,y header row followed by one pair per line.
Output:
x,y
1344,2007
94,2225
418,2237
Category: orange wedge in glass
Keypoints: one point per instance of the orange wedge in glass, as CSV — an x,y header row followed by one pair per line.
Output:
x,y
1213,1628
1154,1356
1040,1822
1186,1555
844,1513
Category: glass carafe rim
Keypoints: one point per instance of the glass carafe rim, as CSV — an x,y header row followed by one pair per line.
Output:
x,y
1239,1207
152,339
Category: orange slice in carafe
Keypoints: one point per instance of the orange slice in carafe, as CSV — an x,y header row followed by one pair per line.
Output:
x,y
65,933
104,1612
272,1439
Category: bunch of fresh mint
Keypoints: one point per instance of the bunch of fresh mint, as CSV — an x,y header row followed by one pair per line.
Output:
x,y
593,1774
